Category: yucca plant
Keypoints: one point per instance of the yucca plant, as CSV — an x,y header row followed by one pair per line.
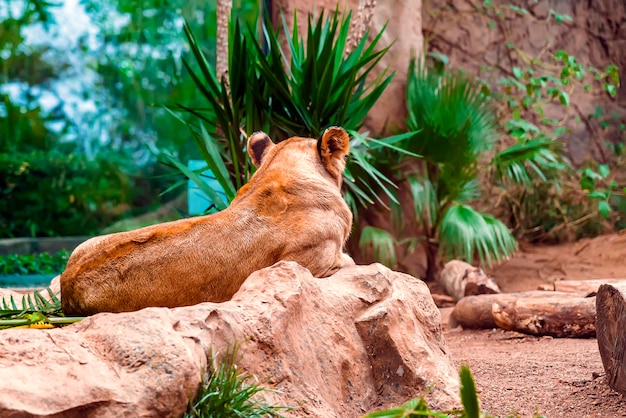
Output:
x,y
34,311
318,86
227,393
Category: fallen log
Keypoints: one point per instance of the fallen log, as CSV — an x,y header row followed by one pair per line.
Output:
x,y
581,287
568,316
476,311
611,333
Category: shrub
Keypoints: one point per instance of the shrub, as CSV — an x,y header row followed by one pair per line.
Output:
x,y
226,393
51,193
43,263
321,85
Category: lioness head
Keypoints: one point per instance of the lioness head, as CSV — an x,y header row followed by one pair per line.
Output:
x,y
332,148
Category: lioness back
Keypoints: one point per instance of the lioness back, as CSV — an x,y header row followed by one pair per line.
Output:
x,y
291,209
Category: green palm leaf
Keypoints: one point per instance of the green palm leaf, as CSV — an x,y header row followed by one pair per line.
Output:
x,y
34,309
456,121
518,162
380,244
465,233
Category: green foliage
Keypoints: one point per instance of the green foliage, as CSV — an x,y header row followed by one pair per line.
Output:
x,y
469,397
456,129
43,263
57,193
34,311
531,91
377,244
602,189
325,84
227,393
525,91
322,86
526,94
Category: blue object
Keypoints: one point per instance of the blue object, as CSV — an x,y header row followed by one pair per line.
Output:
x,y
197,202
25,281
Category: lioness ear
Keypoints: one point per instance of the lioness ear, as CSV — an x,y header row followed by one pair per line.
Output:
x,y
258,144
333,147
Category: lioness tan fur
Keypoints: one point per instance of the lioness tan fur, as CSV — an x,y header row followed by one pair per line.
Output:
x,y
291,209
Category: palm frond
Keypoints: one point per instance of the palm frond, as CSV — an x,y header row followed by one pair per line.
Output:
x,y
455,119
465,233
367,164
424,196
380,244
34,311
520,162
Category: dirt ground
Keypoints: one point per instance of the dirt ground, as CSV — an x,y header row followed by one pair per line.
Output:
x,y
519,375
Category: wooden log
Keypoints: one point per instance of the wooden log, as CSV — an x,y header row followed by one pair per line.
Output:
x,y
569,316
475,311
611,333
581,287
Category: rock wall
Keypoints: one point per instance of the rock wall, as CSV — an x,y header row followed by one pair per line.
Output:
x,y
596,37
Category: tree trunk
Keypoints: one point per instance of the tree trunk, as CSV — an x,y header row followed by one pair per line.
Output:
x,y
611,333
432,258
568,316
224,8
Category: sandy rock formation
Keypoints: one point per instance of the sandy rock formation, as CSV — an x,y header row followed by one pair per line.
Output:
x,y
363,339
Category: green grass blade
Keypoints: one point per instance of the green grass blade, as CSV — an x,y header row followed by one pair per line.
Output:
x,y
469,397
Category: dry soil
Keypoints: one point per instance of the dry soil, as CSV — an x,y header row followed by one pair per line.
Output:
x,y
524,376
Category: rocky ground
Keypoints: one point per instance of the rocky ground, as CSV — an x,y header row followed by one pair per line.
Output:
x,y
519,375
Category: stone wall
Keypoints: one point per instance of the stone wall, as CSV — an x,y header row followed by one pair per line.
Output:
x,y
596,37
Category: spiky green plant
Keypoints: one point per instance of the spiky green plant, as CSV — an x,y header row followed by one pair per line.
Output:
x,y
227,393
35,311
320,85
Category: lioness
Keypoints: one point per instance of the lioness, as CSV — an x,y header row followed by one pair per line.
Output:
x,y
291,209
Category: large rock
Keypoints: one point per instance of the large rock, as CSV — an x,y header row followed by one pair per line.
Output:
x,y
363,339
